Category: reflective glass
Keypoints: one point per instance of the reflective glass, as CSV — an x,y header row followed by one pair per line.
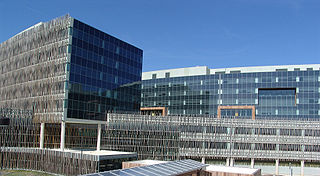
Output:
x,y
106,79
274,94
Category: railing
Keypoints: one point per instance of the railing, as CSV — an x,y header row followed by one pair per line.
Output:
x,y
199,131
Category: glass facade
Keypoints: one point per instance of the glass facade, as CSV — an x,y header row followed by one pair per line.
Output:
x,y
64,68
104,74
276,94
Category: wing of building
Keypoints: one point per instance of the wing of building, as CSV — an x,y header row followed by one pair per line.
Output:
x,y
284,91
67,70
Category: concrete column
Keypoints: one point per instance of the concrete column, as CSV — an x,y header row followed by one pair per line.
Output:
x,y
302,168
42,135
253,145
99,137
303,147
252,163
278,136
228,146
277,167
63,135
227,162
231,162
203,160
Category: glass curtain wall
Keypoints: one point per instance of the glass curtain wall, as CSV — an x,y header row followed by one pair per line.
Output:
x,y
105,74
279,94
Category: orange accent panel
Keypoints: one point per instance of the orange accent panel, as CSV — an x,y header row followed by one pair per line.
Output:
x,y
253,108
163,109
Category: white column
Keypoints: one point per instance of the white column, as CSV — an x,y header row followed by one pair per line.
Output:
x,y
252,163
277,167
227,162
99,137
63,133
231,162
42,135
203,160
302,168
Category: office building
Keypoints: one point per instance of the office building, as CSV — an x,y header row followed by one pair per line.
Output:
x,y
66,71
289,91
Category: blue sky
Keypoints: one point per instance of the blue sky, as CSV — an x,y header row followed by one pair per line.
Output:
x,y
174,34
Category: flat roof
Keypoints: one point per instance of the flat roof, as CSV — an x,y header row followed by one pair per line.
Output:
x,y
204,70
102,154
229,169
147,162
83,154
164,169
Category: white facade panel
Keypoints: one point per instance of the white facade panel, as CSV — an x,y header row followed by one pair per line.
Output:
x,y
204,70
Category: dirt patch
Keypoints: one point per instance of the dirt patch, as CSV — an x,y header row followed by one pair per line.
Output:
x,y
22,173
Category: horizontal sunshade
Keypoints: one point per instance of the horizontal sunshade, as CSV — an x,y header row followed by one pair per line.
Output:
x,y
165,169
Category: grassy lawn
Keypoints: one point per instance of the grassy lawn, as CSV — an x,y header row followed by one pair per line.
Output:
x,y
22,173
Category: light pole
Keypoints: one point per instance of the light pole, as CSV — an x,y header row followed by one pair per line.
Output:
x,y
290,168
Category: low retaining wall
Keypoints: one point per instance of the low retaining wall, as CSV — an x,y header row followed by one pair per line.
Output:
x,y
47,160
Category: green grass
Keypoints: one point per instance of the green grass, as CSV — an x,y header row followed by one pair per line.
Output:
x,y
22,173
